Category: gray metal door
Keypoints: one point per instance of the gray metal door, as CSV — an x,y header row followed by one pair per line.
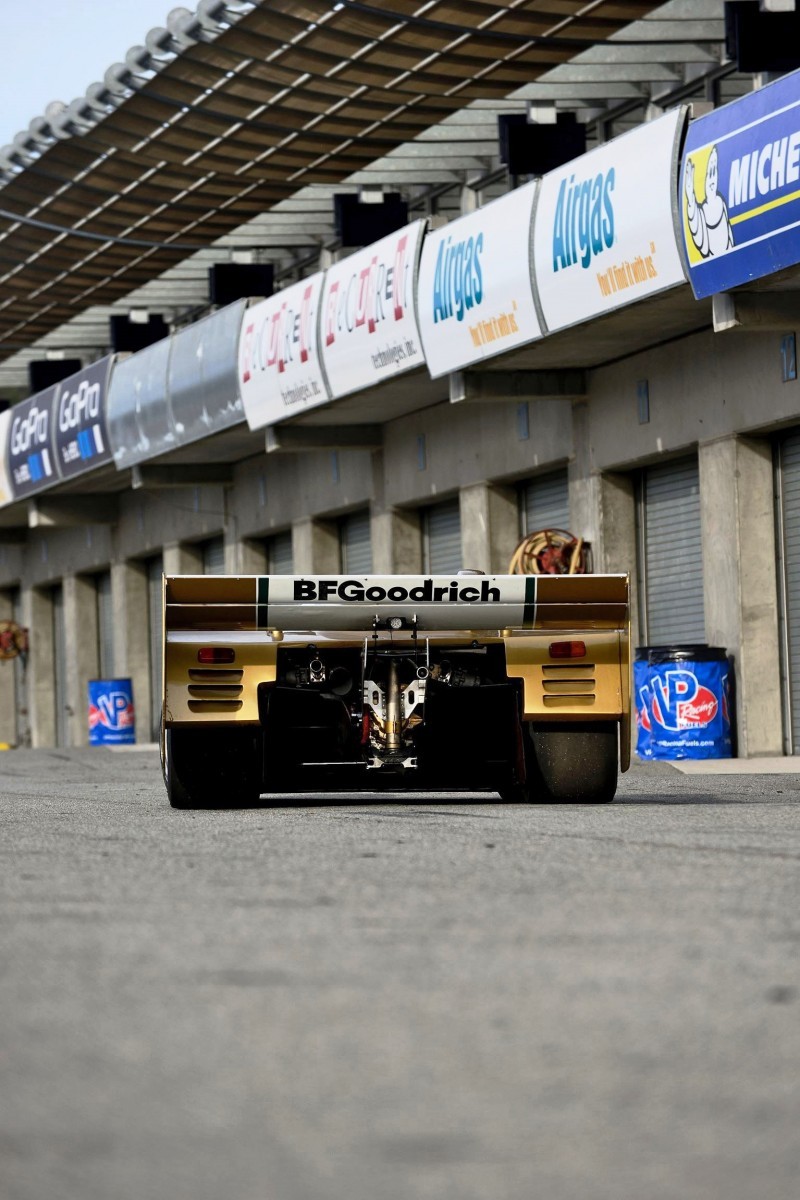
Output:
x,y
280,556
544,503
670,555
155,569
214,556
105,627
787,478
59,665
356,544
441,538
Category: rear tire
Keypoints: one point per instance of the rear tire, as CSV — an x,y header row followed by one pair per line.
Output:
x,y
212,768
571,764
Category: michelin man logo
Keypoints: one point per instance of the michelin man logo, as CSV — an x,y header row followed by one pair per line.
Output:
x,y
707,220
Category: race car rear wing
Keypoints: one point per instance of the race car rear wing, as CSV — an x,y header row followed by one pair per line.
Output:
x,y
423,602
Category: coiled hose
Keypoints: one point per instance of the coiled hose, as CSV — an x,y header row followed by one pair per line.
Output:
x,y
549,552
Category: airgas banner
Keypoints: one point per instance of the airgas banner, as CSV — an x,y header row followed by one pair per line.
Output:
x,y
368,329
605,229
29,450
475,295
279,372
740,189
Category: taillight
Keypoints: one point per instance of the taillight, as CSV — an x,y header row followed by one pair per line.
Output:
x,y
215,654
568,649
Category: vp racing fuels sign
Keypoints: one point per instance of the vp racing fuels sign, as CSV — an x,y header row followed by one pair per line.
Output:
x,y
279,372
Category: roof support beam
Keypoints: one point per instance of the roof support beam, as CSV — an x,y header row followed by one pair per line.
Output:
x,y
49,512
770,312
294,439
155,477
516,385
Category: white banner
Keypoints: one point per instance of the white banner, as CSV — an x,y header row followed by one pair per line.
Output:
x,y
369,328
5,484
604,232
279,373
475,296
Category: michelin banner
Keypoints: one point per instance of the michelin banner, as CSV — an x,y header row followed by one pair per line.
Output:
x,y
475,295
279,369
740,189
369,327
605,230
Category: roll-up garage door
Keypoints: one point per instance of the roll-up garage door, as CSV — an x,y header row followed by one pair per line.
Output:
x,y
670,554
105,627
441,538
788,510
544,503
59,665
356,544
280,557
214,557
155,569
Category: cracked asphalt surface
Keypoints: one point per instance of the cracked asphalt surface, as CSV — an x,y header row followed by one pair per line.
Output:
x,y
405,999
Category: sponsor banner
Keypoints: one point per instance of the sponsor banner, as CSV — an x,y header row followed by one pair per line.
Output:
x,y
6,494
740,189
202,393
604,231
80,437
433,602
30,460
368,328
475,296
140,424
279,372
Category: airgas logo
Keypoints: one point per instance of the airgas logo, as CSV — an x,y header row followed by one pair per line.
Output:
x,y
458,278
584,222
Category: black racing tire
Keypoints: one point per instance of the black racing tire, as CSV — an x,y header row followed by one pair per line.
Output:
x,y
213,768
571,764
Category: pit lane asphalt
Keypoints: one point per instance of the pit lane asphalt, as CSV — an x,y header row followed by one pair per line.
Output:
x,y
459,1000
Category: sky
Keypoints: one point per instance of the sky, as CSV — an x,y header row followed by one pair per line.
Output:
x,y
53,49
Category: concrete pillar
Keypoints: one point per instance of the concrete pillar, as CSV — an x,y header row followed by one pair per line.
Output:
x,y
584,484
37,615
396,542
614,552
246,557
8,707
315,547
489,527
181,558
80,654
740,587
130,603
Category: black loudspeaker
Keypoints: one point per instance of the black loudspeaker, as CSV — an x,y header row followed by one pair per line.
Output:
x,y
528,149
360,224
43,373
237,281
762,41
131,336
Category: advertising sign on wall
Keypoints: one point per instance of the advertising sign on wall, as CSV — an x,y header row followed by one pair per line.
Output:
x,y
29,453
475,296
368,331
6,495
80,438
740,189
604,230
139,421
279,373
201,376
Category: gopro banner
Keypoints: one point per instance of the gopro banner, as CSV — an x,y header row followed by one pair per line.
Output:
x,y
369,331
279,373
740,189
605,230
475,295
29,450
80,437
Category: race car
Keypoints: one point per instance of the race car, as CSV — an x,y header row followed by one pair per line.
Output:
x,y
286,683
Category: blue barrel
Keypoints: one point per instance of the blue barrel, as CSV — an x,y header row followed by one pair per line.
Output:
x,y
683,702
111,714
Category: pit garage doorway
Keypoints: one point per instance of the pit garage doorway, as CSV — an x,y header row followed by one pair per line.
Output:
x,y
441,538
670,554
355,543
280,556
544,503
